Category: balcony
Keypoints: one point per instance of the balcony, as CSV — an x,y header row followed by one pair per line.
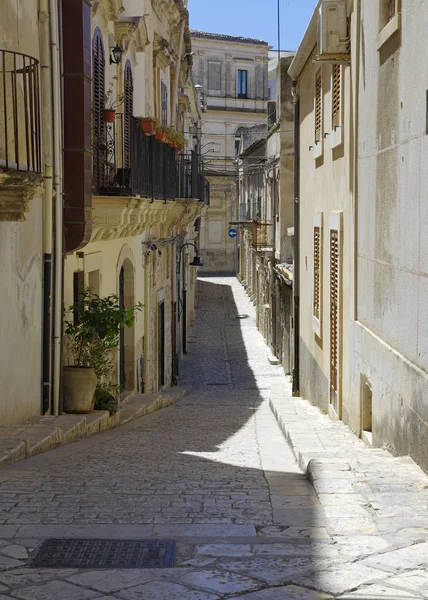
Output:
x,y
129,163
262,234
20,134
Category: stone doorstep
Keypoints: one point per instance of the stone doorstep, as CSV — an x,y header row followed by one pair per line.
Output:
x,y
45,433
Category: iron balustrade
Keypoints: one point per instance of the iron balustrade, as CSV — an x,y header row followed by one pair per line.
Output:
x,y
145,167
20,131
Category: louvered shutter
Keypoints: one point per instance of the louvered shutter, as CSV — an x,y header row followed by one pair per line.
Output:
x,y
317,272
336,99
318,107
334,318
129,111
98,104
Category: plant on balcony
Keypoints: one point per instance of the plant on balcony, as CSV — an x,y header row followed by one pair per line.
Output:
x,y
161,134
92,336
149,125
180,142
112,101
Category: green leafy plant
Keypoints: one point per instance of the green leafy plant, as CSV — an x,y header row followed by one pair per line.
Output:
x,y
111,100
105,401
152,119
94,332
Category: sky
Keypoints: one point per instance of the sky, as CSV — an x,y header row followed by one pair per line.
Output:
x,y
254,18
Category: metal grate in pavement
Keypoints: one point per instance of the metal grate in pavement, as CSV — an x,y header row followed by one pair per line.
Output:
x,y
106,554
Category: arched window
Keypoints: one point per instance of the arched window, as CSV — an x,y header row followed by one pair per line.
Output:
x,y
98,63
128,90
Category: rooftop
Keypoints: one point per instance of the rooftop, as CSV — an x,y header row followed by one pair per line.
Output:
x,y
226,38
252,135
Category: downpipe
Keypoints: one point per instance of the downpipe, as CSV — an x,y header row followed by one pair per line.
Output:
x,y
46,93
296,271
58,265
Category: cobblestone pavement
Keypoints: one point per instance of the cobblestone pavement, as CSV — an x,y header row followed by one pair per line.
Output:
x,y
215,474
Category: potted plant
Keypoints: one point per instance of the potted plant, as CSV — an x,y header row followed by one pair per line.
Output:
x,y
112,102
171,137
149,125
92,336
161,134
181,142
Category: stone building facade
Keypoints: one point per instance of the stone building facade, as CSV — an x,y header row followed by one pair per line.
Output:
x,y
142,215
266,217
123,208
232,75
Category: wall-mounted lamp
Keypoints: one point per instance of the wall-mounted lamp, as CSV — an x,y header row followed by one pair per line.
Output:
x,y
116,55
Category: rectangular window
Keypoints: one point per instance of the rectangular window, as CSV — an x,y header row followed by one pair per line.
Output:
x,y
242,83
335,235
214,75
78,288
164,104
389,20
317,274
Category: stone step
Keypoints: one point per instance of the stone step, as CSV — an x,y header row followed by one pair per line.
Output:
x,y
44,433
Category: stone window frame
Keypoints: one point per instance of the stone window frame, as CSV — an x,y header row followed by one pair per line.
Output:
x,y
389,20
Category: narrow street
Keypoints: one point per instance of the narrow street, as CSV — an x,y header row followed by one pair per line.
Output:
x,y
213,473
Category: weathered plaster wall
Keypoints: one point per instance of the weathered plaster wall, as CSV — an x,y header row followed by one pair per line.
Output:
x,y
392,341
326,186
21,265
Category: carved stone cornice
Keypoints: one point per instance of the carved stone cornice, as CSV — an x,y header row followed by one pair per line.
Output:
x,y
113,8
164,55
17,189
118,217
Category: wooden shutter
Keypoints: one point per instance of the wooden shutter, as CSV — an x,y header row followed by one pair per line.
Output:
x,y
317,273
129,111
78,288
336,100
334,319
98,104
318,107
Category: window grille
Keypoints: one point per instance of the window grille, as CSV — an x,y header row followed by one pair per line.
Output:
x,y
98,63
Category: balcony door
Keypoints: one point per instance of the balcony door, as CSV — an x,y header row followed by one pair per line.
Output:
x,y
98,88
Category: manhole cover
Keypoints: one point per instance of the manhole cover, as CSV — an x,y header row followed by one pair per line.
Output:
x,y
106,554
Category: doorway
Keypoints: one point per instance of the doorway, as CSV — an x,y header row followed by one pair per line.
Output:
x,y
126,340
161,344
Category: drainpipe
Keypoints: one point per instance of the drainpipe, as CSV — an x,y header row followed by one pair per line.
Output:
x,y
46,93
174,118
58,265
296,270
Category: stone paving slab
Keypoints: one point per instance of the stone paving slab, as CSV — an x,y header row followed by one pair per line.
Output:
x,y
44,433
215,473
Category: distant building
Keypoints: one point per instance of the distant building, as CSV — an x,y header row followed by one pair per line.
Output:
x,y
232,73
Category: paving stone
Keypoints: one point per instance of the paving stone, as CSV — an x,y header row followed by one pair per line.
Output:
x,y
21,577
290,592
218,581
163,590
14,551
412,557
340,578
274,570
55,590
360,545
224,550
112,581
413,581
377,592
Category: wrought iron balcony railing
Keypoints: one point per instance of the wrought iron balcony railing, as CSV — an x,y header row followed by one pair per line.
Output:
x,y
142,166
20,134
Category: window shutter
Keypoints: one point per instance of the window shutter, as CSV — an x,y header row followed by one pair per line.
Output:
x,y
317,274
318,107
336,100
98,103
129,111
334,317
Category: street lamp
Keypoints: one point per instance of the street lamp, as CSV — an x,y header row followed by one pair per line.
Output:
x,y
117,52
196,262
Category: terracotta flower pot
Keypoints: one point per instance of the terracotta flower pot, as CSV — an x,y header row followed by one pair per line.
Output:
x,y
161,136
179,147
148,127
79,389
108,116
